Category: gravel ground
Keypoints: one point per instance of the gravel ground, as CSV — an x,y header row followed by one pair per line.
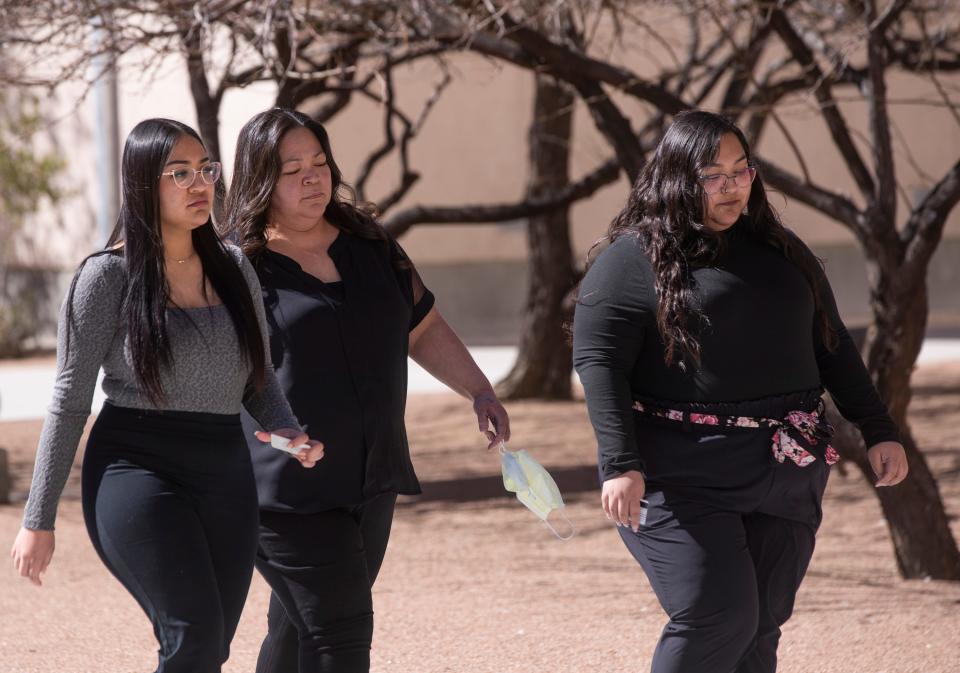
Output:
x,y
473,583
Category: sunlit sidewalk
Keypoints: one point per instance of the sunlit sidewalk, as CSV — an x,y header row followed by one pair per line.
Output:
x,y
25,389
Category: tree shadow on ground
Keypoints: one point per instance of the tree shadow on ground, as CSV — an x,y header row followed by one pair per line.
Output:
x,y
570,480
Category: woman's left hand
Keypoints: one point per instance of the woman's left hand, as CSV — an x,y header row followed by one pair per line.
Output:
x,y
889,463
489,410
308,456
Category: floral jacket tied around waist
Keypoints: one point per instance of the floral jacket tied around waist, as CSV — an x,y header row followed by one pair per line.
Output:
x,y
795,433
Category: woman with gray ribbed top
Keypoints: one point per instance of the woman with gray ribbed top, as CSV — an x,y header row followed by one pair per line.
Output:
x,y
175,319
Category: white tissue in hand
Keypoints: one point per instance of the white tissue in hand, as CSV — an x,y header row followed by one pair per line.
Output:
x,y
283,443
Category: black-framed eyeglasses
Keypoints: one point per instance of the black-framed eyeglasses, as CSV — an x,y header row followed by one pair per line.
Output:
x,y
718,181
185,177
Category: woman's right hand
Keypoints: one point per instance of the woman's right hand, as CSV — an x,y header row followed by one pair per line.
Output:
x,y
621,498
307,456
31,553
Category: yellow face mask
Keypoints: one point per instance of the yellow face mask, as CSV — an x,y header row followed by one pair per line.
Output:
x,y
534,487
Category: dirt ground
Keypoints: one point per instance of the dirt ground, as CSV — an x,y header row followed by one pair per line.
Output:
x,y
473,583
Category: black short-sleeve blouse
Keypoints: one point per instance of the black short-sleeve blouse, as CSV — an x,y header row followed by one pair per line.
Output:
x,y
340,353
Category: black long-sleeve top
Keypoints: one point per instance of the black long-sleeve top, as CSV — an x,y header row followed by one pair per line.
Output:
x,y
340,353
761,340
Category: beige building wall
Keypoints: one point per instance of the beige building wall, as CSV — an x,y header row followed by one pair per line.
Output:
x,y
472,149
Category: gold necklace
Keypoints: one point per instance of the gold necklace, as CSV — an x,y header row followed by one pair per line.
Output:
x,y
186,259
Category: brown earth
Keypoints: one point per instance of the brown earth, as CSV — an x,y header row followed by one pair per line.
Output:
x,y
473,583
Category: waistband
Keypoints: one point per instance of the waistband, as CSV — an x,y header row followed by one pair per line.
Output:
x,y
163,421
774,406
171,442
799,433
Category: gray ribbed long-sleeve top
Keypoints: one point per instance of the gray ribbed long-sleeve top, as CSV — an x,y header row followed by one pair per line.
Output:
x,y
208,372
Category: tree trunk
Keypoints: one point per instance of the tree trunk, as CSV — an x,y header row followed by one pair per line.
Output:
x,y
208,113
206,103
923,543
5,479
543,367
207,106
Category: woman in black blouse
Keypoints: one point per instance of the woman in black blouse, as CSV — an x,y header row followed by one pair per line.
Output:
x,y
704,336
345,307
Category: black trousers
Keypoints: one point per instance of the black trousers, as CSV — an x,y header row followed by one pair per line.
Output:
x,y
321,568
727,541
170,504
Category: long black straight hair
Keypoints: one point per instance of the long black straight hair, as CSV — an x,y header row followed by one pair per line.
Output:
x,y
666,211
147,292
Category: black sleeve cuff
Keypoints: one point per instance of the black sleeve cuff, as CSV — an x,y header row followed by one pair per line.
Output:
x,y
879,430
422,308
614,469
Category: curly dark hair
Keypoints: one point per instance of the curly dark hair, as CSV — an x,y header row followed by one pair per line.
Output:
x,y
666,211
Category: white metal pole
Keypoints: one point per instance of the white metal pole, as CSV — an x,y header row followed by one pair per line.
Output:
x,y
107,136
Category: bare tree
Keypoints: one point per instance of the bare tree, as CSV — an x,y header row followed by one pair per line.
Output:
x,y
774,55
752,58
757,58
542,368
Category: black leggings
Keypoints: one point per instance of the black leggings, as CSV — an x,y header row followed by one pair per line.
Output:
x,y
170,505
321,568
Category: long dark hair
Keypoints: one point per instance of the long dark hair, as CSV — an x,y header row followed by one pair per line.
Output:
x,y
257,169
147,293
666,211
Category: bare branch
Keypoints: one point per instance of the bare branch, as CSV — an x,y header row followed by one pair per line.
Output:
x,y
612,123
745,62
529,49
206,103
933,73
389,140
325,111
893,11
764,100
604,175
925,227
831,114
835,206
875,91
409,177
407,180
686,69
